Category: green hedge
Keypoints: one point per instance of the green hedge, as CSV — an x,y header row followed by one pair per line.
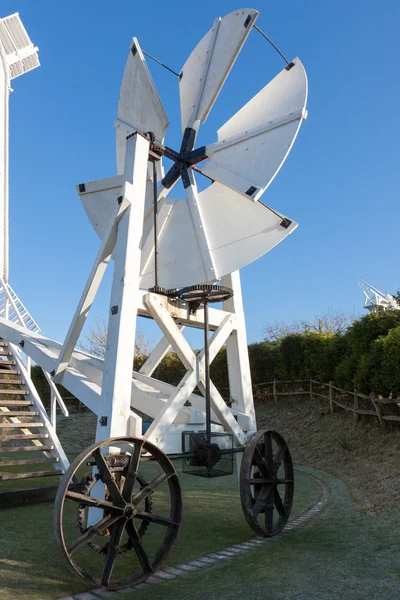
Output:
x,y
367,356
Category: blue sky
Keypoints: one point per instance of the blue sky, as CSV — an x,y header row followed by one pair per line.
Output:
x,y
340,181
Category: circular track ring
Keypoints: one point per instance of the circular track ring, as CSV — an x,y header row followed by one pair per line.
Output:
x,y
266,483
121,514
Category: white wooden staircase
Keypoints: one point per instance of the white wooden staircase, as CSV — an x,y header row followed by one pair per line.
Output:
x,y
29,446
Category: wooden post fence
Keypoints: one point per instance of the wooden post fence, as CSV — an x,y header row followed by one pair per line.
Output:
x,y
331,397
378,408
356,415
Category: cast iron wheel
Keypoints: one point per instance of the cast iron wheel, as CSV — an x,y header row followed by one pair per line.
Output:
x,y
83,510
117,520
266,483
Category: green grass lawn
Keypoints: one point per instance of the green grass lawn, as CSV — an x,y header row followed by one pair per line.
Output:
x,y
31,569
340,555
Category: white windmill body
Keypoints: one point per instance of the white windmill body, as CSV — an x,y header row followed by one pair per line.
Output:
x,y
375,300
172,257
17,56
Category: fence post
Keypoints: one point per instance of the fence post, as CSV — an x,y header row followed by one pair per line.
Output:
x,y
356,415
274,391
377,408
331,397
310,389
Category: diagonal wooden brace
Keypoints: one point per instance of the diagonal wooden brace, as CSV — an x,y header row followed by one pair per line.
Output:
x,y
195,376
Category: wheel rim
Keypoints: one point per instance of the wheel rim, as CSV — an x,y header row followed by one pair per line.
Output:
x,y
266,483
115,523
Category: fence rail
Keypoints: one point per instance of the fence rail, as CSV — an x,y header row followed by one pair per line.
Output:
x,y
335,395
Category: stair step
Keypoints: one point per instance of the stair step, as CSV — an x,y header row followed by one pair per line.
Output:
x,y
15,403
9,371
7,362
3,343
22,425
16,392
8,476
19,413
5,450
24,436
28,461
5,353
11,381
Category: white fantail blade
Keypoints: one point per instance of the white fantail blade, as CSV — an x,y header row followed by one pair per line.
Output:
x,y
208,66
21,54
254,143
225,233
238,231
139,107
100,197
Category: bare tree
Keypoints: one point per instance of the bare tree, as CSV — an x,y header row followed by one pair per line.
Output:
x,y
329,322
96,341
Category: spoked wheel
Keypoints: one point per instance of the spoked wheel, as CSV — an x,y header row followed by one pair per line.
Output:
x,y
266,483
133,490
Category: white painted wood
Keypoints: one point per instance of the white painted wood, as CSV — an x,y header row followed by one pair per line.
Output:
x,y
208,66
54,391
53,411
17,56
20,52
83,378
35,398
118,362
156,356
16,305
90,290
195,376
201,231
255,142
139,105
250,229
4,187
237,352
195,400
205,60
180,256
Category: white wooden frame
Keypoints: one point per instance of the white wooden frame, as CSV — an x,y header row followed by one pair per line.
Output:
x,y
110,387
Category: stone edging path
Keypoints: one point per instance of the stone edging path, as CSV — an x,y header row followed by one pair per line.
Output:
x,y
209,560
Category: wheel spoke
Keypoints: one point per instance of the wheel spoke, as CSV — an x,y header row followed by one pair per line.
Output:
x,y
269,516
261,500
259,459
269,455
279,504
92,531
153,485
137,545
133,468
279,457
107,479
145,516
89,501
112,551
260,481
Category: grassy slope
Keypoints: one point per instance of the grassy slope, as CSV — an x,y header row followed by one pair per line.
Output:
x,y
365,457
